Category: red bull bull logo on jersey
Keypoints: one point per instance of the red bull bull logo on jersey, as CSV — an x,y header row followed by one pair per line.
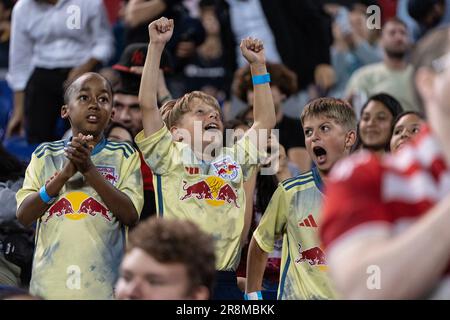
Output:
x,y
109,173
226,168
214,190
77,206
313,256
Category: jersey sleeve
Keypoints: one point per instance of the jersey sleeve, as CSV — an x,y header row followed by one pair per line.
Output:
x,y
131,181
33,179
273,222
159,150
352,197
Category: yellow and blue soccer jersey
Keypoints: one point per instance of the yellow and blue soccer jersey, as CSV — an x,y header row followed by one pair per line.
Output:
x,y
209,194
79,241
293,213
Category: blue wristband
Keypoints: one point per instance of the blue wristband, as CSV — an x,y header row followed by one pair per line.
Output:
x,y
257,295
45,197
261,79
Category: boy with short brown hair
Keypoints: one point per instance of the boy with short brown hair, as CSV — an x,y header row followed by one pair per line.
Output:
x,y
294,211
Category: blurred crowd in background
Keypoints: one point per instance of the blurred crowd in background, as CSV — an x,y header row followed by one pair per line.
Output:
x,y
346,49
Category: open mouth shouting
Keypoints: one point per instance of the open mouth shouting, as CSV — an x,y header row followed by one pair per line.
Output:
x,y
321,155
211,126
93,118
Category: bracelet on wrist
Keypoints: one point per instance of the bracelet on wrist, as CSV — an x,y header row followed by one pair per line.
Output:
x,y
45,196
261,79
257,295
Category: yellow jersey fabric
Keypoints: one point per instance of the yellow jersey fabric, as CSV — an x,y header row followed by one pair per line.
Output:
x,y
208,194
293,213
79,241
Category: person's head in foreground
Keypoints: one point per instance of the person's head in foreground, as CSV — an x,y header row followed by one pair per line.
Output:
x,y
167,260
330,131
405,127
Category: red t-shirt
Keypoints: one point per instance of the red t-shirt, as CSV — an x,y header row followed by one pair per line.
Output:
x,y
147,175
396,189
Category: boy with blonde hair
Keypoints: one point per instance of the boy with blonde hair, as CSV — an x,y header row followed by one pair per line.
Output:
x,y
293,213
194,176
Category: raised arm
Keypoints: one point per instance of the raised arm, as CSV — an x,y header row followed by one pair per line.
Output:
x,y
160,32
263,107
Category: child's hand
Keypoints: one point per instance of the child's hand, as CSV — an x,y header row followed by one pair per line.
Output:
x,y
161,30
68,170
79,152
253,50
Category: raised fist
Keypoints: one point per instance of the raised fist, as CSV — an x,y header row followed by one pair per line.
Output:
x,y
253,50
161,30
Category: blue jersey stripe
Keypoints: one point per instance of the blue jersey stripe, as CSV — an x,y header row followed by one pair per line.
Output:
x,y
284,273
127,146
53,144
110,148
160,198
55,149
317,179
299,183
298,178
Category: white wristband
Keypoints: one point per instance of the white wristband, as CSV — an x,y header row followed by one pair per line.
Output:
x,y
253,295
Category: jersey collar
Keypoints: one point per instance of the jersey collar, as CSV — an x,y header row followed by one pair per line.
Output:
x,y
98,147
317,179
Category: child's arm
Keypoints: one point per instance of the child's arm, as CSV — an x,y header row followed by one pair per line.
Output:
x,y
249,189
256,264
119,203
272,225
33,206
160,32
263,107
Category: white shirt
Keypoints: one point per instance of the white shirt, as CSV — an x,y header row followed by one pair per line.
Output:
x,y
248,20
63,35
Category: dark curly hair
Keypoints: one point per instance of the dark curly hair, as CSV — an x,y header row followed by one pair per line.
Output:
x,y
280,75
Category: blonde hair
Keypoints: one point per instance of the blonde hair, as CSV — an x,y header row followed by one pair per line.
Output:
x,y
172,111
339,110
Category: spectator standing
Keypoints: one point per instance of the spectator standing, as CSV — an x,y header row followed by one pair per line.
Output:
x,y
52,43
